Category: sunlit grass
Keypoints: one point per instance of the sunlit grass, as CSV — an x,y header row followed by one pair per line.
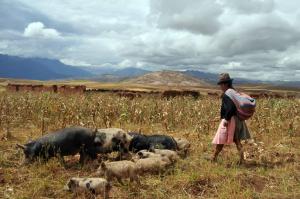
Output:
x,y
274,174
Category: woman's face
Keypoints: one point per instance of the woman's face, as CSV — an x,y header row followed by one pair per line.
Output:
x,y
224,87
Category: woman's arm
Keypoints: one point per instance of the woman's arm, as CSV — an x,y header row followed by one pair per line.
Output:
x,y
228,108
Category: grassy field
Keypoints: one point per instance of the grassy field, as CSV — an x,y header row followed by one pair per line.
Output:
x,y
272,169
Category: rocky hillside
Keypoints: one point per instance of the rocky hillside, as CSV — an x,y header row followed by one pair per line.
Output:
x,y
167,78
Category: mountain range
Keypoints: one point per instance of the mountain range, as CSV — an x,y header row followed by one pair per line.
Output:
x,y
37,68
51,69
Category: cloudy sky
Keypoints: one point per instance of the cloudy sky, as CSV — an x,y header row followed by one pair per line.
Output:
x,y
256,39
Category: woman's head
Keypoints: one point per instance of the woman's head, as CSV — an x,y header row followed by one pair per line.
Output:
x,y
225,81
225,86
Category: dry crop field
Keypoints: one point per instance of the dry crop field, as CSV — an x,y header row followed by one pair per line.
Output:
x,y
272,169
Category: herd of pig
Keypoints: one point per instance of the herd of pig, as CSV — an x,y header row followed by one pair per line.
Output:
x,y
138,154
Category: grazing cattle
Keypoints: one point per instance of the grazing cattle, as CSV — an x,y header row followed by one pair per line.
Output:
x,y
112,139
183,146
119,170
140,142
152,165
64,142
94,185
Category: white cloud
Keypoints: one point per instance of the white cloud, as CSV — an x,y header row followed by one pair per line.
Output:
x,y
252,38
232,65
256,33
74,62
250,6
194,16
126,63
3,45
37,29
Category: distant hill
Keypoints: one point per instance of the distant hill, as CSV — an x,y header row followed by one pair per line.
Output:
x,y
51,69
208,77
37,68
213,78
115,75
98,71
167,78
295,84
130,72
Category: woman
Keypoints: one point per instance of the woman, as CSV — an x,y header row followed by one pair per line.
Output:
x,y
231,128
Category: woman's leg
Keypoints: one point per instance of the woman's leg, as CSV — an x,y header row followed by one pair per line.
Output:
x,y
218,149
240,149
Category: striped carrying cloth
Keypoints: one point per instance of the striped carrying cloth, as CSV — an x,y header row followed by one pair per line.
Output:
x,y
245,104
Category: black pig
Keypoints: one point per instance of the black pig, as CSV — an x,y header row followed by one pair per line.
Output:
x,y
64,142
140,142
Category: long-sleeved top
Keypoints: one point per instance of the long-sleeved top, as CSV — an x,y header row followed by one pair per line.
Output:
x,y
228,108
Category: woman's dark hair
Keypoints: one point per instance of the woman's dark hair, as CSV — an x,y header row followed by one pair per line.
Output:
x,y
230,84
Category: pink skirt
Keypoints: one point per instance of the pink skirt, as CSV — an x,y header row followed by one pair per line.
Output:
x,y
225,134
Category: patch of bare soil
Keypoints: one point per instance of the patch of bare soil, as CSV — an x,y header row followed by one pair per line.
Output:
x,y
201,186
255,182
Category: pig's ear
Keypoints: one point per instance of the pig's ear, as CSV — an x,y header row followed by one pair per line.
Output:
x,y
140,154
94,131
103,166
68,185
21,146
72,184
151,148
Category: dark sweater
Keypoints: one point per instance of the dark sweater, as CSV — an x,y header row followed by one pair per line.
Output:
x,y
228,108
